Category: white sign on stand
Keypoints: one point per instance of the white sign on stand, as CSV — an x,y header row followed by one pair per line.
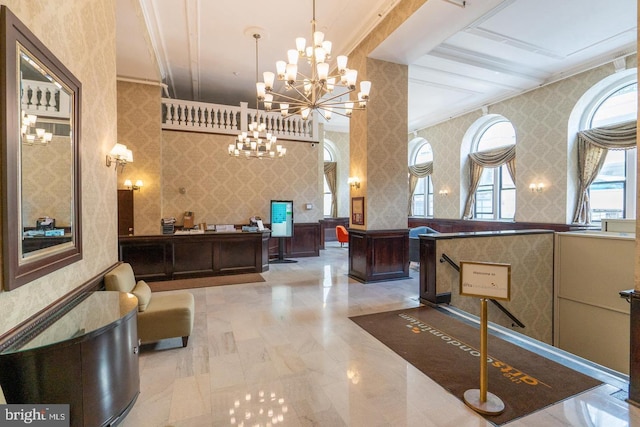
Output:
x,y
486,280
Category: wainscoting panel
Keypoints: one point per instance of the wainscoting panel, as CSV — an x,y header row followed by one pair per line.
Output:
x,y
378,255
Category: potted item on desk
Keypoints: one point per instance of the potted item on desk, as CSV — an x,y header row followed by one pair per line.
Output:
x,y
45,223
188,220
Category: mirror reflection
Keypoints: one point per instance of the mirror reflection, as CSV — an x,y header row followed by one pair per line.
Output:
x,y
46,159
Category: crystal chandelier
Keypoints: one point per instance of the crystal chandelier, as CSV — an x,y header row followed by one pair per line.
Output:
x,y
316,90
250,144
30,133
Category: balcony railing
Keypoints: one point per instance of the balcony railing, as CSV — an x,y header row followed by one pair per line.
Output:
x,y
225,119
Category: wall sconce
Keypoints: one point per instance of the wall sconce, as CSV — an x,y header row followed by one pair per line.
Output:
x,y
354,181
443,192
137,186
536,188
119,156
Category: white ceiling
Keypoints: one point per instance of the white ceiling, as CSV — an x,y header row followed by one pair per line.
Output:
x,y
460,58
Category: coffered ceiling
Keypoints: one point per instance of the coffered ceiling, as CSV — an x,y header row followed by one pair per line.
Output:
x,y
461,55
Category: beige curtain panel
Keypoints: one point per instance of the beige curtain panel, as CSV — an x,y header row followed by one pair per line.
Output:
x,y
593,145
487,159
331,174
416,172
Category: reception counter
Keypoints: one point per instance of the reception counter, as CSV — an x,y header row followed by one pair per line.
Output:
x,y
168,257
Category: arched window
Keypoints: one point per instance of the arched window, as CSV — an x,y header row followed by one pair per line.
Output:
x,y
328,195
495,196
613,192
422,199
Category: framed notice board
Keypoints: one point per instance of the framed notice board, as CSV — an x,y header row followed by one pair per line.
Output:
x,y
357,210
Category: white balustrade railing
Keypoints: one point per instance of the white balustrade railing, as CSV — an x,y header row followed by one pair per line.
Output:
x,y
224,119
44,99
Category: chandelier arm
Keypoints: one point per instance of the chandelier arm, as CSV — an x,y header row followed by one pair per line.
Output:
x,y
338,113
288,98
328,101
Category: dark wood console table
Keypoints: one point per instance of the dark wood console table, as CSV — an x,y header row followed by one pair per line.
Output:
x,y
87,358
181,256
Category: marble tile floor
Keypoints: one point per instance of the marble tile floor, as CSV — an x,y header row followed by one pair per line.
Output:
x,y
284,353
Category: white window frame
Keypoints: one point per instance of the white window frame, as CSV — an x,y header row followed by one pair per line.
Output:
x,y
496,187
427,182
609,86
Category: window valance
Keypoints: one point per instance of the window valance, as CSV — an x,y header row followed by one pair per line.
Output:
x,y
421,170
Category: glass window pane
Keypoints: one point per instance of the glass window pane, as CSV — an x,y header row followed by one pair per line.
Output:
x,y
424,154
327,155
618,107
613,168
327,205
418,204
507,182
607,200
508,204
487,176
499,134
484,202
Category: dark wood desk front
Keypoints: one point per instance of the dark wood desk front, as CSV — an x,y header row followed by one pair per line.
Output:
x,y
168,257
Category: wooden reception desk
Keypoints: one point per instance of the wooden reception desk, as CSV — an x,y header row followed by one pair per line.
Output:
x,y
168,257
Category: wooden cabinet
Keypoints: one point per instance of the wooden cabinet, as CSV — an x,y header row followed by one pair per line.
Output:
x,y
87,358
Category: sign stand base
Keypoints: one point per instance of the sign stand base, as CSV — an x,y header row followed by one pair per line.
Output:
x,y
492,406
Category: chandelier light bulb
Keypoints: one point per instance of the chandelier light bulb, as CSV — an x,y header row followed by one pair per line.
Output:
x,y
281,68
330,84
320,54
348,108
269,78
292,72
326,45
284,108
300,44
260,90
342,63
352,77
365,87
318,38
292,56
268,99
323,71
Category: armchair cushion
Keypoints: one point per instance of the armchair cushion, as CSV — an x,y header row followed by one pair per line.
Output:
x,y
120,279
142,291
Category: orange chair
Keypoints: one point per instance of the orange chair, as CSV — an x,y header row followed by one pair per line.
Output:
x,y
342,234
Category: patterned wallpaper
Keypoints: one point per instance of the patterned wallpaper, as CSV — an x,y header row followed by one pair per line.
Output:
x,y
545,151
531,259
379,136
46,171
139,117
220,189
81,33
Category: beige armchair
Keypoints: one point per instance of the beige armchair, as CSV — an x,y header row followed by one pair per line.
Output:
x,y
160,315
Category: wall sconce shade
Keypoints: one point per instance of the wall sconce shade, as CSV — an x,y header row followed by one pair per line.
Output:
x,y
354,181
137,186
443,192
536,188
119,155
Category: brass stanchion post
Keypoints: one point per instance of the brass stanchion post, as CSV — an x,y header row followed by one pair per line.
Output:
x,y
482,400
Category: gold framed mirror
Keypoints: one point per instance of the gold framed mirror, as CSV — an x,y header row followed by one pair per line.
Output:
x,y
40,107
